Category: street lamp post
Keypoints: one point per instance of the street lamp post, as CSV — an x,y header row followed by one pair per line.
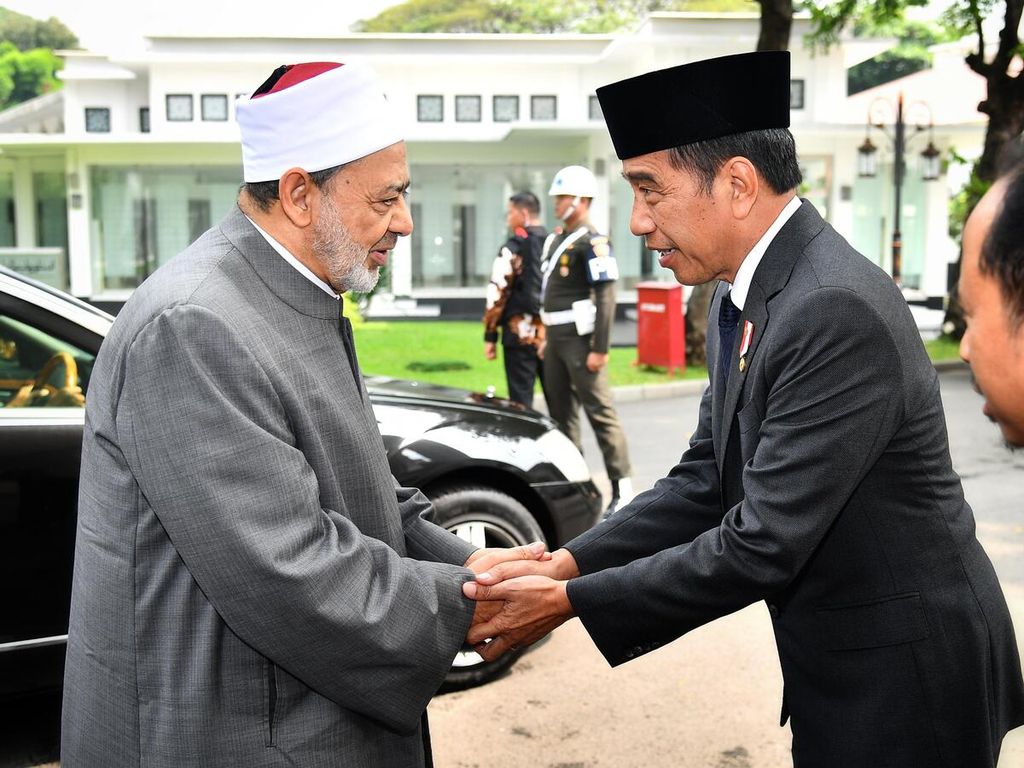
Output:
x,y
899,143
867,167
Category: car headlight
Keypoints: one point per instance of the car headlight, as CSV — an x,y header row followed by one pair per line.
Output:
x,y
560,451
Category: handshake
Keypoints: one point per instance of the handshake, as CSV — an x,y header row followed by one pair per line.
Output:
x,y
521,596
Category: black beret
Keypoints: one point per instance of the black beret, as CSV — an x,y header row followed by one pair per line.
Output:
x,y
697,101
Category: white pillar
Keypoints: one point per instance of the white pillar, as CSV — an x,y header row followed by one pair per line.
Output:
x,y
844,176
401,267
79,235
24,204
939,247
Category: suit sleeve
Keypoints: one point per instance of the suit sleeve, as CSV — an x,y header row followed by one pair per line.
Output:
x,y
679,507
343,612
830,413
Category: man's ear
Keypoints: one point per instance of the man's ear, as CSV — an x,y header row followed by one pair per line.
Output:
x,y
744,185
295,191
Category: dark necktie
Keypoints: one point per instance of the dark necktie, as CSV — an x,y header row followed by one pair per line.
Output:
x,y
350,345
728,320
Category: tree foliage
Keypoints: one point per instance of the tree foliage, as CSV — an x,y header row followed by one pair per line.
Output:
x,y
26,74
26,33
530,16
28,66
999,65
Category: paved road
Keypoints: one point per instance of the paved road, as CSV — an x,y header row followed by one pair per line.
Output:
x,y
711,699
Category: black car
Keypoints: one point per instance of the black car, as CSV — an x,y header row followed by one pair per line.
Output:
x,y
498,475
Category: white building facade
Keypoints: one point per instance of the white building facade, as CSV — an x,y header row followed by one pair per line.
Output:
x,y
144,153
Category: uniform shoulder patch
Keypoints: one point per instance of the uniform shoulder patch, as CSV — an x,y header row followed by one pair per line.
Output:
x,y
521,232
601,263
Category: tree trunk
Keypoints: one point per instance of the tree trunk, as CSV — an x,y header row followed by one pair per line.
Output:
x,y
697,323
1005,109
776,23
1004,105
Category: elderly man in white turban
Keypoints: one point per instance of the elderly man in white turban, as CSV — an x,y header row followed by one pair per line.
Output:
x,y
251,586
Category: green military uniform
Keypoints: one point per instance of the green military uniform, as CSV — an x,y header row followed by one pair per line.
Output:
x,y
578,303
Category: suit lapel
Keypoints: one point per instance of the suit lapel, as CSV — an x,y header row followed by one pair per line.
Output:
x,y
755,312
771,276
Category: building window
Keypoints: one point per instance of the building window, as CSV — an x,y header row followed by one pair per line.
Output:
x,y
454,213
51,203
506,109
141,216
817,182
430,109
796,94
97,119
214,106
144,119
198,218
179,107
595,112
467,109
543,107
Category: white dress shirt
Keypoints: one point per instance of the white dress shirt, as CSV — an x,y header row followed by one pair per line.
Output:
x,y
744,275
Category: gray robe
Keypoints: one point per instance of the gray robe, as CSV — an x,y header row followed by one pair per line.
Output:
x,y
251,588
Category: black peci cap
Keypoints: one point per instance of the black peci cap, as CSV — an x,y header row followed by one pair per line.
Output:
x,y
697,101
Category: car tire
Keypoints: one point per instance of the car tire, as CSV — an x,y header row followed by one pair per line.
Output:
x,y
487,518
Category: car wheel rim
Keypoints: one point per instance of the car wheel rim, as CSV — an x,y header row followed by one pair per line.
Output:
x,y
480,533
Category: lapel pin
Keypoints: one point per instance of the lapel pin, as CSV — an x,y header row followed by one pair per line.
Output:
x,y
748,335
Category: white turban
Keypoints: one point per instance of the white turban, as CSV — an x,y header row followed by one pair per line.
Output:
x,y
314,116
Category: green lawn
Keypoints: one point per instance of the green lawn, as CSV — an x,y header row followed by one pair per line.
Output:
x,y
943,348
452,353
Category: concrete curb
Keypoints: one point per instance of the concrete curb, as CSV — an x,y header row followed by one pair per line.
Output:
x,y
631,394
637,392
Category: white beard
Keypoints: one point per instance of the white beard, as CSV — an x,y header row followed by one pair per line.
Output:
x,y
343,256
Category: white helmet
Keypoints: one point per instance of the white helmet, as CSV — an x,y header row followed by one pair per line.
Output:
x,y
574,180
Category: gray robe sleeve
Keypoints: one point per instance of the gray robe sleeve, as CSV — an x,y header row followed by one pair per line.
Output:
x,y
215,461
423,539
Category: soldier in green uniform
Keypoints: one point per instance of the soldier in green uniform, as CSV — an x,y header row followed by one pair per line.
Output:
x,y
578,307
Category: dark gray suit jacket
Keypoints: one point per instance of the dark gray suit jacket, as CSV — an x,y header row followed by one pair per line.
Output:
x,y
250,588
820,481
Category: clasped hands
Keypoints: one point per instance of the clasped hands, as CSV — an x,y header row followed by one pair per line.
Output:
x,y
521,596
